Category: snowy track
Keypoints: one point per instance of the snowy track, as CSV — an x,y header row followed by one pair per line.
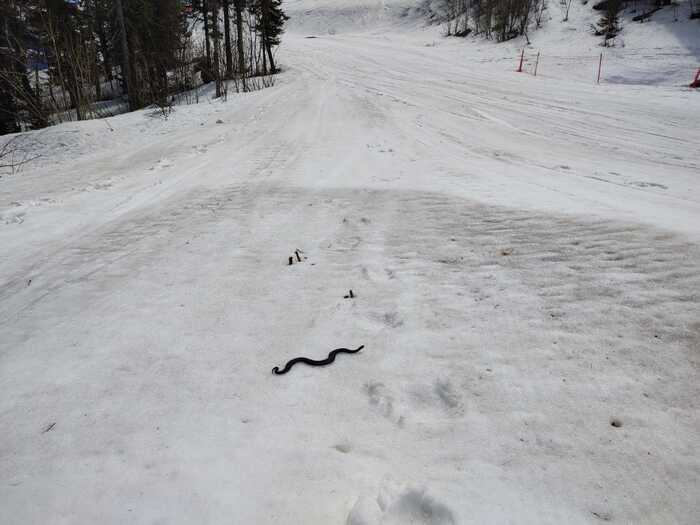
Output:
x,y
525,258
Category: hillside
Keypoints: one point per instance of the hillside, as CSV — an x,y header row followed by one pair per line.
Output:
x,y
665,50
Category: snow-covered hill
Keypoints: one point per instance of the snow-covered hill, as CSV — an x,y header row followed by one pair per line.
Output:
x,y
522,251
663,50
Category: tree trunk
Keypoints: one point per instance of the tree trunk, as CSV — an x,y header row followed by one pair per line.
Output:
x,y
263,35
215,31
253,54
126,63
264,59
136,83
96,78
238,6
74,99
273,68
227,39
104,49
162,85
205,11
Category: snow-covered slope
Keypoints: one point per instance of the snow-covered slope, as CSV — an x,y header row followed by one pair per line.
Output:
x,y
523,253
663,50
344,16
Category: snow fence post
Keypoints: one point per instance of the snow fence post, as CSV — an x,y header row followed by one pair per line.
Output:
x,y
522,56
600,65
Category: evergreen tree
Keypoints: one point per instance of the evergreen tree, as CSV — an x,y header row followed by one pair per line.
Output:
x,y
9,121
271,25
609,22
19,101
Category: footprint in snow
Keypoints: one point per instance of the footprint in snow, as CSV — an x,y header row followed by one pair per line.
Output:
x,y
17,218
410,505
162,164
643,184
343,447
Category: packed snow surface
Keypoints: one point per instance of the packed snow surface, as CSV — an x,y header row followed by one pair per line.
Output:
x,y
523,253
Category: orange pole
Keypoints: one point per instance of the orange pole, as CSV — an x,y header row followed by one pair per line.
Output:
x,y
522,56
696,81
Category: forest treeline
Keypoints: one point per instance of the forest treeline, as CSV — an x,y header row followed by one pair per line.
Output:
x,y
497,19
65,59
503,20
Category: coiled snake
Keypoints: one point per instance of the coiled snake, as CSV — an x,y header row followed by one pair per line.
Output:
x,y
312,362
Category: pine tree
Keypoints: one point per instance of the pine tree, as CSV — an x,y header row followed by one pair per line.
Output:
x,y
19,101
609,22
9,118
272,20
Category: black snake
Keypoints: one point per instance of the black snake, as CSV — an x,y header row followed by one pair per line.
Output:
x,y
312,362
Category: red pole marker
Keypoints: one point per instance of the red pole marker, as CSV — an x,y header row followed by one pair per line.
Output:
x,y
600,65
537,62
696,81
522,57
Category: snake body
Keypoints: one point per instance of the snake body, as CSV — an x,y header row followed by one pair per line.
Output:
x,y
312,362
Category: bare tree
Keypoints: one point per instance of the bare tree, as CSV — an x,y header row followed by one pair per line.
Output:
x,y
15,153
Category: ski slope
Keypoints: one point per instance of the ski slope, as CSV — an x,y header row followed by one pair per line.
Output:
x,y
524,254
